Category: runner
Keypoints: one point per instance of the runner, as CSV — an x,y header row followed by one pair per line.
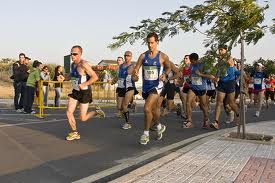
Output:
x,y
250,90
126,88
82,77
186,72
169,89
269,92
152,62
119,112
197,89
259,86
226,75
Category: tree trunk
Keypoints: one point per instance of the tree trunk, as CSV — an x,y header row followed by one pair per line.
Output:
x,y
242,94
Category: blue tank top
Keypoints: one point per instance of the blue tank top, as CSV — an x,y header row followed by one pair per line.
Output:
x,y
122,75
151,72
197,82
231,74
77,79
258,78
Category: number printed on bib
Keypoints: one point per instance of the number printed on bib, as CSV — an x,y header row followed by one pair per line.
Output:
x,y
196,80
257,81
75,83
250,86
120,83
150,73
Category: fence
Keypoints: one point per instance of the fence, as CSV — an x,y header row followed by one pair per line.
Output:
x,y
103,94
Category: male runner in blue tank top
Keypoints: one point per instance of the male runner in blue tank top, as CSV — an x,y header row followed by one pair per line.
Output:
x,y
152,62
82,77
126,88
198,80
226,76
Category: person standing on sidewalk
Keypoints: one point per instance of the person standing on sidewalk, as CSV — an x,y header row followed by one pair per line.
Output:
x,y
259,77
31,85
270,85
82,77
226,76
126,88
58,76
152,61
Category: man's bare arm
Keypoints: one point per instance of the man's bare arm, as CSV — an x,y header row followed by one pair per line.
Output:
x,y
138,65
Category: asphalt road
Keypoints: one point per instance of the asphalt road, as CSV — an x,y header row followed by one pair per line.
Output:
x,y
34,150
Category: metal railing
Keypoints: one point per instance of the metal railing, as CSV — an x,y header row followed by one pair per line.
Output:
x,y
103,94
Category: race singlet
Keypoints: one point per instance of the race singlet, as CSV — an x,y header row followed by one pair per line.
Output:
x,y
150,73
75,83
196,80
257,81
120,83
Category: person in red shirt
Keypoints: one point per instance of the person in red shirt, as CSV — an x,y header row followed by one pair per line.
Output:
x,y
269,92
185,76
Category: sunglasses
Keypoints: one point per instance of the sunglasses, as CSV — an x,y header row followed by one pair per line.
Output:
x,y
127,55
74,54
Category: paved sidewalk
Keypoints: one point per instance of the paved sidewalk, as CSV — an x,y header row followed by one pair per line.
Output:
x,y
214,160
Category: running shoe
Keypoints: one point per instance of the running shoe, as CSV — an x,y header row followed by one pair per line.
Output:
x,y
229,117
126,126
73,136
100,113
215,125
154,127
160,132
19,110
257,114
144,139
205,124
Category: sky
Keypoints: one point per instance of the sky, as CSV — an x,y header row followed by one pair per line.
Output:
x,y
46,30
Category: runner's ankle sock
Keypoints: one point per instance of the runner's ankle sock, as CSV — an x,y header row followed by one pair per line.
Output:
x,y
146,133
126,115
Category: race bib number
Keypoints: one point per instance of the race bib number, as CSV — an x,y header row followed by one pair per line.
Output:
x,y
268,86
120,83
75,83
257,81
250,86
196,80
186,78
150,73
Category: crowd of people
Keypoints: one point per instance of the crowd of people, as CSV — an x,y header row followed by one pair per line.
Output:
x,y
195,83
25,82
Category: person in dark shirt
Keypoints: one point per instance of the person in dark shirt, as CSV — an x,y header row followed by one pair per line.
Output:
x,y
20,76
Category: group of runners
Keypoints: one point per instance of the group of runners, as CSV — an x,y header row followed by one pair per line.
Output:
x,y
161,78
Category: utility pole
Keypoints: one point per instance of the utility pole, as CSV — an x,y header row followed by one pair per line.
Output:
x,y
242,93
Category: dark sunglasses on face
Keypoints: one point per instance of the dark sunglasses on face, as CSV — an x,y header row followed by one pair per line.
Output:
x,y
127,55
74,54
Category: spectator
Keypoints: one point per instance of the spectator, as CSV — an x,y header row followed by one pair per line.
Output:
x,y
33,78
20,76
107,78
58,76
45,76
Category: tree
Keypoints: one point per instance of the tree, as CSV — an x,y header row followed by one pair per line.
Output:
x,y
228,22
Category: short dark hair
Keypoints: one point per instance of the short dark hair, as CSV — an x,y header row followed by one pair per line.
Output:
x,y
153,34
36,63
77,46
194,56
222,46
119,57
27,58
186,56
22,54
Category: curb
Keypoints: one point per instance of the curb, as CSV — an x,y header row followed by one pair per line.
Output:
x,y
190,142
